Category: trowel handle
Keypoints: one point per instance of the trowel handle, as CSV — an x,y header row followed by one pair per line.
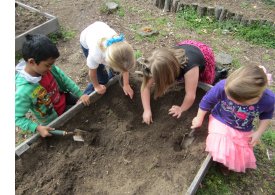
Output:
x,y
58,132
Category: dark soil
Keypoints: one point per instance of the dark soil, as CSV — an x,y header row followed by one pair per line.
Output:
x,y
120,154
26,20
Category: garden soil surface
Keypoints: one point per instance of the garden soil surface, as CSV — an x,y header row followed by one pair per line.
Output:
x,y
122,155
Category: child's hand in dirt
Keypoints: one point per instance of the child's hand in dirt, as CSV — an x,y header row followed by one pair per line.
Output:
x,y
147,117
128,91
196,122
175,111
255,138
44,130
101,89
85,99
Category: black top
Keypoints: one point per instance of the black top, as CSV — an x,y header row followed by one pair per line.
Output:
x,y
195,58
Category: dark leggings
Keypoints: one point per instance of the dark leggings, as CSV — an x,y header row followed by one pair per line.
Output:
x,y
70,101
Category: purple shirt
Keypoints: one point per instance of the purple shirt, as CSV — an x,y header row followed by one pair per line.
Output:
x,y
234,115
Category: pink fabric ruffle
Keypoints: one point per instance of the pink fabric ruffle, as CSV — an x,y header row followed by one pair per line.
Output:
x,y
229,146
208,75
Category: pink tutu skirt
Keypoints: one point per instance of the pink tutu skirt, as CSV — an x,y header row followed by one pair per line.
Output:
x,y
229,146
208,75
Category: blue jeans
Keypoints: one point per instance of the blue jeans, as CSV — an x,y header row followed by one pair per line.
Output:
x,y
102,74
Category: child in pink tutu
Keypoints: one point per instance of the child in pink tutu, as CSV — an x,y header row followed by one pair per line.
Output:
x,y
190,60
234,104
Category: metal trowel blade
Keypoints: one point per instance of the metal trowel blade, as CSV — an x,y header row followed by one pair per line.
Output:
x,y
78,138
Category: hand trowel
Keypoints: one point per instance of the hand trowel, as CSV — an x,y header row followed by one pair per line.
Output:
x,y
77,134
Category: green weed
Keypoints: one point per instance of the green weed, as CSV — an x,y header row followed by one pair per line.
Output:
x,y
138,54
268,138
63,34
256,34
121,12
269,2
18,57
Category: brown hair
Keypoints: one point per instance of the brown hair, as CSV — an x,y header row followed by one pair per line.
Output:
x,y
164,67
246,83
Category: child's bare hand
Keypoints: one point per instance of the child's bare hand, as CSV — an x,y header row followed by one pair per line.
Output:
x,y
85,99
101,89
44,130
196,122
255,138
175,111
147,117
128,91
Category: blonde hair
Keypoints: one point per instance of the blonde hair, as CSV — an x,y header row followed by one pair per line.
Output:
x,y
246,83
120,56
164,66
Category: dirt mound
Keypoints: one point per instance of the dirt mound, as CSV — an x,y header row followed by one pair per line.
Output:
x,y
120,154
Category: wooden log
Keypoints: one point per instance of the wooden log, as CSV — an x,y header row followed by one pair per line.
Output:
x,y
269,23
201,10
167,5
253,21
161,4
238,17
218,11
174,5
263,21
210,11
223,15
156,3
244,21
180,7
229,15
194,6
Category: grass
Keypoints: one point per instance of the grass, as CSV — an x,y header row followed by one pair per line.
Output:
x,y
257,34
119,11
238,183
138,54
64,34
269,2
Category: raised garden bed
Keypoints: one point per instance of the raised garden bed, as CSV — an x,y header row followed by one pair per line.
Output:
x,y
121,155
29,20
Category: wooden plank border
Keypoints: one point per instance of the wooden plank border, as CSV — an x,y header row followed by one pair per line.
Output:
x,y
21,148
51,25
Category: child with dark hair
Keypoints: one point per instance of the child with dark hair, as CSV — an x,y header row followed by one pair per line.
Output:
x,y
42,87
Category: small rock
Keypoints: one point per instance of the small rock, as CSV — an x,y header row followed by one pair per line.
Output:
x,y
223,58
111,6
